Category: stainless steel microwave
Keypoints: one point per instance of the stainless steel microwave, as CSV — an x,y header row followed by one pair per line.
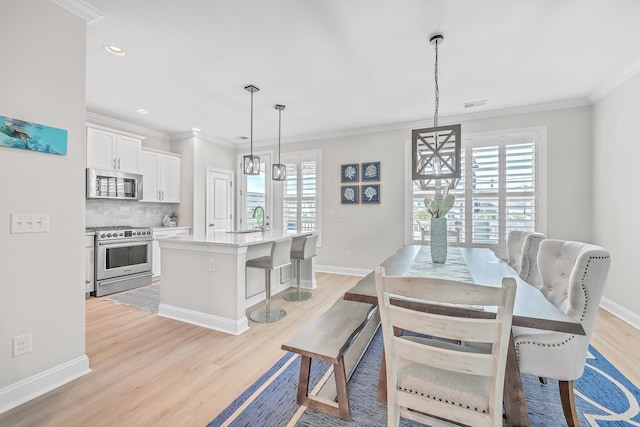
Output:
x,y
107,184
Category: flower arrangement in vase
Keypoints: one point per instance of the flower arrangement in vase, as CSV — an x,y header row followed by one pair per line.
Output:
x,y
438,207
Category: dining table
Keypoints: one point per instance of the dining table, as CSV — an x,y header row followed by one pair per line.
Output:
x,y
480,266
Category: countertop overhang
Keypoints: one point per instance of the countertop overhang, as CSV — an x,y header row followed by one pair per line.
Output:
x,y
225,241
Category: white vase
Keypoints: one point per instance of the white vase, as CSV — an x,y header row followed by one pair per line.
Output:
x,y
439,240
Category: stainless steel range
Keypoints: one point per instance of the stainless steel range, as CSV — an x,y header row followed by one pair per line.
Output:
x,y
123,257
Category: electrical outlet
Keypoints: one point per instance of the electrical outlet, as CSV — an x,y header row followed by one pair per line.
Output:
x,y
148,214
348,254
212,265
21,344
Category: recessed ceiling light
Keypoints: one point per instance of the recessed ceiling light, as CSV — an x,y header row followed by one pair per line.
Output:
x,y
195,129
472,104
142,110
114,50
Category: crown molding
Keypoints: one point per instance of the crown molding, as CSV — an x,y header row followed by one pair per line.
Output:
x,y
428,122
205,137
81,8
616,80
98,119
400,126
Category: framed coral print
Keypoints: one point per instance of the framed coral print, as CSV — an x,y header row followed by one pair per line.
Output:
x,y
370,193
349,173
349,194
371,171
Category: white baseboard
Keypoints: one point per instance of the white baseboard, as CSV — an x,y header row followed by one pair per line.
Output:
x,y
343,270
205,320
39,384
619,311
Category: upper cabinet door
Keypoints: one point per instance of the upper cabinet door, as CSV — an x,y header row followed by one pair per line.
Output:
x,y
160,177
100,149
170,179
149,169
128,150
112,150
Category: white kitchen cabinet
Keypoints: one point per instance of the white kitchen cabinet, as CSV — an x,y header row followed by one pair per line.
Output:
x,y
160,176
89,266
159,233
113,150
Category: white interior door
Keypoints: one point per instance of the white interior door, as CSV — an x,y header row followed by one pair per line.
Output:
x,y
219,203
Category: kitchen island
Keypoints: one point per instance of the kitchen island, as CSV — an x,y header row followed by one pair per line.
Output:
x,y
205,282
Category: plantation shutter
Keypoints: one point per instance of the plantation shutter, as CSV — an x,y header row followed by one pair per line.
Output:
x,y
300,198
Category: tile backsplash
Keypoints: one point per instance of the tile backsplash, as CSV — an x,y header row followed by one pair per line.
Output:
x,y
100,213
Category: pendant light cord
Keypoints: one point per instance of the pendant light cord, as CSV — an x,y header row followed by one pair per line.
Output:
x,y
252,122
279,130
435,116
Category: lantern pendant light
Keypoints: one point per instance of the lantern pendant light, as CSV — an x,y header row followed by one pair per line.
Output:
x,y
251,163
278,170
435,152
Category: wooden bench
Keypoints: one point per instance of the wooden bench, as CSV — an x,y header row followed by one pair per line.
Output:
x,y
339,336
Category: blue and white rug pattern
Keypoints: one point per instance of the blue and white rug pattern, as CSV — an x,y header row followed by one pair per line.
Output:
x,y
604,397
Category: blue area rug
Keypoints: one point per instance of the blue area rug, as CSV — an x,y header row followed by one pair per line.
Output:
x,y
146,298
604,397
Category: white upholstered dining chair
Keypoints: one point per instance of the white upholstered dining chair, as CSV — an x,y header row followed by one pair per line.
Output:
x,y
573,277
428,377
522,254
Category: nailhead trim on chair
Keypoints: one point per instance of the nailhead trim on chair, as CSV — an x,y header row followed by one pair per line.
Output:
x,y
440,399
529,260
543,344
586,270
584,312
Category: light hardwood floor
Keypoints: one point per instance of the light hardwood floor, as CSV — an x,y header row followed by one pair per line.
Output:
x,y
152,371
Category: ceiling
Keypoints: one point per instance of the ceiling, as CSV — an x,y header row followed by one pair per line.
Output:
x,y
347,66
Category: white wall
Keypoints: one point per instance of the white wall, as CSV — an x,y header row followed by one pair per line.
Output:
x,y
197,155
616,203
42,274
373,232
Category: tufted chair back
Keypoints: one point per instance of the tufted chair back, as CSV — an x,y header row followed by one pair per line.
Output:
x,y
573,276
522,253
515,241
529,271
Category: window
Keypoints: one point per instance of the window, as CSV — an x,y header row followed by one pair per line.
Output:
x,y
301,192
504,191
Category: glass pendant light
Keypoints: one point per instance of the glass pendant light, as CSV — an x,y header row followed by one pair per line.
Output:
x,y
251,163
278,170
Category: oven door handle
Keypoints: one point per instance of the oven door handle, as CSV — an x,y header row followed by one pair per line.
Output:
x,y
123,243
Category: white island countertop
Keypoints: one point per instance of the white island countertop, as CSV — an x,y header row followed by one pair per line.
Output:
x,y
230,240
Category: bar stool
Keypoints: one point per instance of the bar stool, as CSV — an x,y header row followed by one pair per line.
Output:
x,y
303,248
278,258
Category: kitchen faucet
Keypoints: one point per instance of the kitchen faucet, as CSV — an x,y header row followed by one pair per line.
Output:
x,y
261,219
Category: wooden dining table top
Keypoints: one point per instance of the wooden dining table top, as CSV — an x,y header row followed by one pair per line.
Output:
x,y
531,309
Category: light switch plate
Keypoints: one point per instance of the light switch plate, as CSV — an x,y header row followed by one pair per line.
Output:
x,y
29,223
